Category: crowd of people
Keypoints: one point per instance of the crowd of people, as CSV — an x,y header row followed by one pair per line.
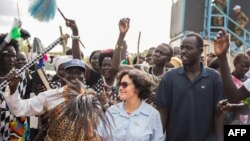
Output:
x,y
167,95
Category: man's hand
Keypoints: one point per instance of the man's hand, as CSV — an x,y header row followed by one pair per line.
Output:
x,y
124,25
221,43
72,24
224,106
13,79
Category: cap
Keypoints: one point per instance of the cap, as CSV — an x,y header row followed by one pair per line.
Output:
x,y
236,7
60,60
75,63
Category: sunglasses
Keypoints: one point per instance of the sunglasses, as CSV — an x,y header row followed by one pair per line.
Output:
x,y
123,84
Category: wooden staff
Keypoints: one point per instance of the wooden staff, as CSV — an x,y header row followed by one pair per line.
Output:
x,y
66,21
63,41
138,48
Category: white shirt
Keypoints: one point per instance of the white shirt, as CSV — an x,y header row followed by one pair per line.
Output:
x,y
36,105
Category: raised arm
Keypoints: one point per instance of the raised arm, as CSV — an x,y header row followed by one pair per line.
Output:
x,y
76,52
116,59
221,45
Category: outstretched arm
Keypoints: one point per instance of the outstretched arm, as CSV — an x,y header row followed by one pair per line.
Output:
x,y
221,45
116,59
76,52
20,107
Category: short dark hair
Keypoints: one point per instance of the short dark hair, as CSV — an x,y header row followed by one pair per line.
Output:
x,y
141,81
105,53
240,57
171,52
199,39
13,42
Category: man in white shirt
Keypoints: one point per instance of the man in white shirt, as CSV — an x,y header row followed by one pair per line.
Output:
x,y
57,99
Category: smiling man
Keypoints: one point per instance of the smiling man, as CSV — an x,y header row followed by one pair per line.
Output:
x,y
187,97
57,101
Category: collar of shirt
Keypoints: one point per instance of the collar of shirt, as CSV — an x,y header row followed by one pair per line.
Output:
x,y
119,109
204,72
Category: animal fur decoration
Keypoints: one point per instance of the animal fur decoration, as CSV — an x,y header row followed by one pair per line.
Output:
x,y
77,117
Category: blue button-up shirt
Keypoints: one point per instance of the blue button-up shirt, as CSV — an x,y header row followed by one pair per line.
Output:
x,y
142,125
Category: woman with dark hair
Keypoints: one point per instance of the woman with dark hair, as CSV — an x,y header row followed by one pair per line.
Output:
x,y
109,63
94,60
133,119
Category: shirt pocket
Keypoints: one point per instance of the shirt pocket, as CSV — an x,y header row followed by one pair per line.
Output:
x,y
143,135
147,134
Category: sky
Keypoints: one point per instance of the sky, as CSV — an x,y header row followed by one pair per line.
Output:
x,y
97,22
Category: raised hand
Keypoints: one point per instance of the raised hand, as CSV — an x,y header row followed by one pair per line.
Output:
x,y
221,43
13,79
72,24
124,25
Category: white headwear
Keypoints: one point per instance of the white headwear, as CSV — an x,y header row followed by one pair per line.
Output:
x,y
236,7
60,60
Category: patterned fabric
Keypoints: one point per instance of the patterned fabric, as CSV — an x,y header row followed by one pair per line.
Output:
x,y
53,82
98,87
11,127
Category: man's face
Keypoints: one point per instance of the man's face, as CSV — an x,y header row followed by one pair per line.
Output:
x,y
75,75
9,57
21,60
237,11
190,53
149,56
161,55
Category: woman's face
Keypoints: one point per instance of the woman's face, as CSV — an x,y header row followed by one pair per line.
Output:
x,y
95,61
106,68
127,88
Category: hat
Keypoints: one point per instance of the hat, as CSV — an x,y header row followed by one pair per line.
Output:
x,y
60,60
176,62
236,7
74,63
